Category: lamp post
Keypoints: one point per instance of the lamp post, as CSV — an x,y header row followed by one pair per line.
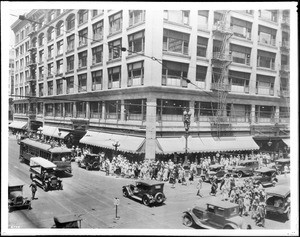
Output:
x,y
186,121
116,145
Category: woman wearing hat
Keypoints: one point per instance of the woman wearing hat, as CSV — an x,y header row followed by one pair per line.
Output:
x,y
247,204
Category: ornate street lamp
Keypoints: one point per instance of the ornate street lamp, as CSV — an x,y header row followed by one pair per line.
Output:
x,y
116,145
186,121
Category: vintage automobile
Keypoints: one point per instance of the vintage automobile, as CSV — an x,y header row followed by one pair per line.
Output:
x,y
278,201
90,162
16,199
68,221
244,168
217,215
265,176
280,163
148,192
43,174
214,170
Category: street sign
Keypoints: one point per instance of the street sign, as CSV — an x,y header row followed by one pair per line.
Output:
x,y
116,201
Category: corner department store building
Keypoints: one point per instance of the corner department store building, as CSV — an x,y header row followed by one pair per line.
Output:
x,y
80,82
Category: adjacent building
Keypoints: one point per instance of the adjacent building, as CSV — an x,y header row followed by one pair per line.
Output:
x,y
123,79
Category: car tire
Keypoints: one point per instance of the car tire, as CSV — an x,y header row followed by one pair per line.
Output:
x,y
46,188
159,198
125,193
288,215
146,201
240,174
87,167
61,186
187,220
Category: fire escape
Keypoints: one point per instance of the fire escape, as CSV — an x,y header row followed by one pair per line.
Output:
x,y
221,59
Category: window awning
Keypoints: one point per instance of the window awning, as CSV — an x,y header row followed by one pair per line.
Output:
x,y
54,132
106,140
286,141
18,125
206,144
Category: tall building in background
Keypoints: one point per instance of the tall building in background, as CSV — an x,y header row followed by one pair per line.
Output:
x,y
123,79
11,83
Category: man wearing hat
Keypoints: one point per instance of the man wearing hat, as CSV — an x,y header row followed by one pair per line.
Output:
x,y
260,220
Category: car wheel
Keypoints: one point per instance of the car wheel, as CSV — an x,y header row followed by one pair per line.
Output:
x,y
240,174
146,201
187,220
61,186
125,193
45,187
159,198
79,165
87,167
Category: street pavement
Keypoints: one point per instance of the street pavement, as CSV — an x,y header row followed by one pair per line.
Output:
x,y
91,194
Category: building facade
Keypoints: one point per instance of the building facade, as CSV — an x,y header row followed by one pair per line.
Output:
x,y
132,74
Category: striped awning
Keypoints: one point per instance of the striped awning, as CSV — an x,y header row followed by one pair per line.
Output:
x,y
54,132
18,124
206,144
127,143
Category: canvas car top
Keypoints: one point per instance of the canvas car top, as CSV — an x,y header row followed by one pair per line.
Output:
x,y
283,160
265,170
215,166
279,190
149,182
247,161
59,150
67,218
13,182
42,162
221,204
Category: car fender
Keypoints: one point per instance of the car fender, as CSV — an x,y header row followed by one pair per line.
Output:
x,y
233,226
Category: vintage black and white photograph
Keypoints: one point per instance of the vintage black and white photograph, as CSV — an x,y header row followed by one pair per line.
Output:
x,y
149,118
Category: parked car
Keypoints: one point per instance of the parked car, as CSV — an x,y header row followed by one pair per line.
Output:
x,y
90,162
278,201
43,174
244,168
69,221
280,163
147,192
16,199
214,170
265,176
217,215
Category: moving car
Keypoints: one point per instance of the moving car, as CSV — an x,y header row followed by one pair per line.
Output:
x,y
214,170
217,215
16,199
43,174
90,162
147,192
244,168
278,201
68,221
265,176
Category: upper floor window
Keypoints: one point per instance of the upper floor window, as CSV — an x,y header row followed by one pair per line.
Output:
x,y
41,56
41,22
202,19
181,17
59,46
176,41
271,15
174,73
96,12
114,77
82,16
97,54
266,59
114,48
241,28
82,59
59,66
22,49
83,34
82,82
266,35
115,23
70,85
136,42
201,73
50,51
59,86
50,34
97,80
51,16
70,63
41,39
59,28
22,35
240,54
17,52
41,89
50,87
50,69
71,22
17,38
98,31
26,46
136,74
136,16
70,42
201,46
